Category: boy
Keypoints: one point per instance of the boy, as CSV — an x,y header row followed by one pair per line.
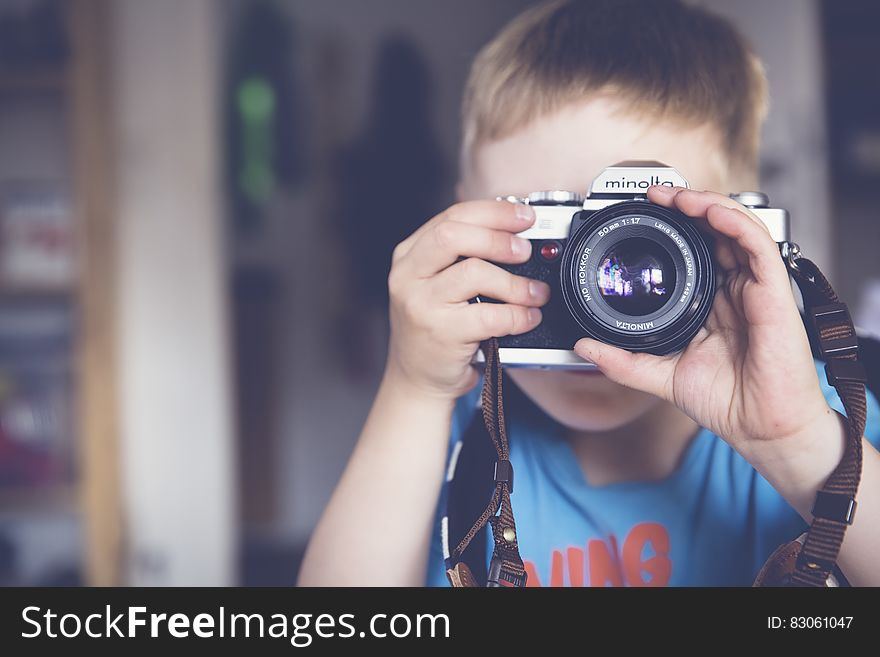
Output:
x,y
687,469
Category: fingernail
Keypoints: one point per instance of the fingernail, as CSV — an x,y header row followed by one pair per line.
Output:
x,y
519,246
524,213
581,351
534,316
666,189
538,290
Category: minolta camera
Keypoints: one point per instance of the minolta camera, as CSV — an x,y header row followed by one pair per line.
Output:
x,y
621,269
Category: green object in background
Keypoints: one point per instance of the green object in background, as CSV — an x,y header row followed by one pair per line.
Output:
x,y
266,131
256,107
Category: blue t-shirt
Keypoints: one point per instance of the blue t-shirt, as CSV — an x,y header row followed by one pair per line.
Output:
x,y
712,522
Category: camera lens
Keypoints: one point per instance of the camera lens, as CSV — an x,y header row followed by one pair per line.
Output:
x,y
638,276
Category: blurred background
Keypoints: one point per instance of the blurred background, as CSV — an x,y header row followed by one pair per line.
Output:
x,y
198,201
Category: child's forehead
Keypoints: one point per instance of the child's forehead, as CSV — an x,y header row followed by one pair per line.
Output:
x,y
567,149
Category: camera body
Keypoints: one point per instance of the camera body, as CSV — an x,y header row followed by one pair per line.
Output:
x,y
621,269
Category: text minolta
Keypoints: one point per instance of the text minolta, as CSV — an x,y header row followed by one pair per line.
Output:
x,y
623,183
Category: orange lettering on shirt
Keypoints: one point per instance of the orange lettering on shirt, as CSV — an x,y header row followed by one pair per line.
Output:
x,y
556,569
575,557
610,566
658,567
604,570
532,574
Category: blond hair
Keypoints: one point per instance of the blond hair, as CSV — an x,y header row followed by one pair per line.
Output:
x,y
659,58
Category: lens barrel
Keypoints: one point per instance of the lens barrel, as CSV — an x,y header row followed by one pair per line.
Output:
x,y
638,276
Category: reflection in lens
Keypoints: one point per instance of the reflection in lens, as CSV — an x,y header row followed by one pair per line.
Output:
x,y
636,276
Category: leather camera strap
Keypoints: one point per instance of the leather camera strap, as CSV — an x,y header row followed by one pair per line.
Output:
x,y
506,566
831,330
809,561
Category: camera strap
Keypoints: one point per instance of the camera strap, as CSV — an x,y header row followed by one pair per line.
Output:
x,y
811,560
506,566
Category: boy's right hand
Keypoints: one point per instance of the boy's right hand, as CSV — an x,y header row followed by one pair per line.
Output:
x,y
434,330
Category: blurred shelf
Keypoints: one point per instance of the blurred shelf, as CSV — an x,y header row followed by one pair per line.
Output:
x,y
59,497
36,80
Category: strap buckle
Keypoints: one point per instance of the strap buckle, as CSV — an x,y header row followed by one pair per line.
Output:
x,y
504,474
501,576
829,316
814,563
838,370
838,507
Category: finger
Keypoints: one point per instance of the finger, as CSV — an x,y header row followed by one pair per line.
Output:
x,y
481,321
696,203
441,246
763,254
640,371
731,220
664,195
500,215
466,279
728,255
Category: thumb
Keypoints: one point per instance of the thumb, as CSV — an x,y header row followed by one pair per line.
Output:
x,y
640,371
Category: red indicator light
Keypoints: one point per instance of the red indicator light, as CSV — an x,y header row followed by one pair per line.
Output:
x,y
550,250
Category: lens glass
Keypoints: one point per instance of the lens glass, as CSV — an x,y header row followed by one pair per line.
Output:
x,y
636,276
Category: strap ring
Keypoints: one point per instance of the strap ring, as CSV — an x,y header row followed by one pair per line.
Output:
x,y
791,252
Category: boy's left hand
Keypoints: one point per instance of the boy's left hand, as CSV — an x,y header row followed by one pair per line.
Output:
x,y
748,375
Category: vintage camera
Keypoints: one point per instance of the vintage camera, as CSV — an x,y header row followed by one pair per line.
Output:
x,y
621,269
